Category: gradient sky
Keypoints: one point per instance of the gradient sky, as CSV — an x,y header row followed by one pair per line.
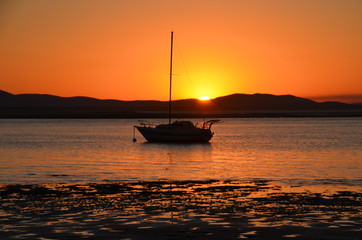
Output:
x,y
120,49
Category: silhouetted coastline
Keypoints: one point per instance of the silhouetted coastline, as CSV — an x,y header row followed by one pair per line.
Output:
x,y
231,106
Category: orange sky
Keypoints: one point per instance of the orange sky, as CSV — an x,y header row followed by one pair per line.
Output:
x,y
119,49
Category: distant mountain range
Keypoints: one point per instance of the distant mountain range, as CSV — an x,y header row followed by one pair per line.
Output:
x,y
235,105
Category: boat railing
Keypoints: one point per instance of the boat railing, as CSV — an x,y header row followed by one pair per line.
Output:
x,y
208,124
145,123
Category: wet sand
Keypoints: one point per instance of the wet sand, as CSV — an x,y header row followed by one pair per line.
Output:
x,y
180,210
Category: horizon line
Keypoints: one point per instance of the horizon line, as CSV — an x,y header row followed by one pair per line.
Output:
x,y
327,98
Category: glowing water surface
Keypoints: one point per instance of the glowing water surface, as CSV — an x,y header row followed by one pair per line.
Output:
x,y
298,150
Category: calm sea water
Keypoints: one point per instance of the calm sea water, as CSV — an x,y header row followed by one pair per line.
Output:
x,y
297,150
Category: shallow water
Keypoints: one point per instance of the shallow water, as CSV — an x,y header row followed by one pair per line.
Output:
x,y
179,210
293,150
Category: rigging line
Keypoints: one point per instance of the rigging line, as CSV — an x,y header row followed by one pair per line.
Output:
x,y
178,51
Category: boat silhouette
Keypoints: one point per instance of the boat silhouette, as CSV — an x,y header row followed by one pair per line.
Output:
x,y
177,131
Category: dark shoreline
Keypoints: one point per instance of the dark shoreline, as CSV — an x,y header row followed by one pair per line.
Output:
x,y
250,209
158,115
234,105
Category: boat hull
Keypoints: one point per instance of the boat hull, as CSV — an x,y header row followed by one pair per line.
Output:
x,y
170,135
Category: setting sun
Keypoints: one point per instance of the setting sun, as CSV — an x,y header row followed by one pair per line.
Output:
x,y
204,98
108,49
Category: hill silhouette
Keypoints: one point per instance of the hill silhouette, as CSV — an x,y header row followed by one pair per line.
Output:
x,y
50,106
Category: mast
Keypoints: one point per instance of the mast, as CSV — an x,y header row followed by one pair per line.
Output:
x,y
169,102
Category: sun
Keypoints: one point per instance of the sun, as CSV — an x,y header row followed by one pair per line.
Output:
x,y
204,98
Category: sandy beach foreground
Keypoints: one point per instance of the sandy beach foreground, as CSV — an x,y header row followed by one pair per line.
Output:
x,y
180,210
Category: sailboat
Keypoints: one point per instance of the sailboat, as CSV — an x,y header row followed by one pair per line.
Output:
x,y
177,131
